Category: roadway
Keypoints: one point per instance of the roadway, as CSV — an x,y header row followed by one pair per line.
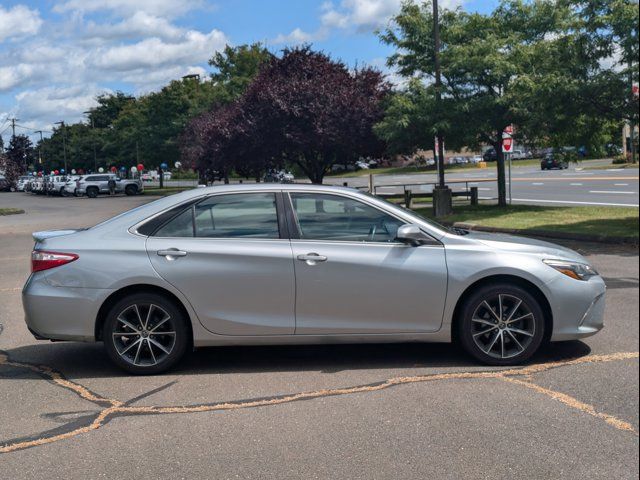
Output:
x,y
530,185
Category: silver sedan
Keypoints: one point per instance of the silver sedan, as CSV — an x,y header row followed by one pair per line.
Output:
x,y
301,264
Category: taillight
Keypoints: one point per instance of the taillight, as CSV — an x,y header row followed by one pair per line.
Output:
x,y
43,260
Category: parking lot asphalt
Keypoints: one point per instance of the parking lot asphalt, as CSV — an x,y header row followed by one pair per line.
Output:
x,y
364,411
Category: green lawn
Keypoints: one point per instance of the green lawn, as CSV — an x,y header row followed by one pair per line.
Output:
x,y
10,211
601,221
612,165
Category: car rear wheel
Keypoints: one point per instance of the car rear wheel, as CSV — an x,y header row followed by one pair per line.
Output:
x,y
145,334
131,190
501,324
92,192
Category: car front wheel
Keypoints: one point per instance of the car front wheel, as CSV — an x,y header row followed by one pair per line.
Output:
x,y
501,324
145,334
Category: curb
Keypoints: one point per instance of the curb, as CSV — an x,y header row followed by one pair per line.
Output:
x,y
550,234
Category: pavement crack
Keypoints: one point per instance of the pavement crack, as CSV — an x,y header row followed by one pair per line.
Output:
x,y
116,408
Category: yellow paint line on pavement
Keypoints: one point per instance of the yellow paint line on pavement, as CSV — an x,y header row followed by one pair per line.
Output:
x,y
575,403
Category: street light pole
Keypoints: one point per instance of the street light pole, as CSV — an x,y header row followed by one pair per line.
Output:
x,y
40,147
93,131
64,143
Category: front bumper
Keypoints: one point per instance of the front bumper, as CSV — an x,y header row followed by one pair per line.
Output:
x,y
578,307
61,313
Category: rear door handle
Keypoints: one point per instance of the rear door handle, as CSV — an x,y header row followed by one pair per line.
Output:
x,y
312,258
172,253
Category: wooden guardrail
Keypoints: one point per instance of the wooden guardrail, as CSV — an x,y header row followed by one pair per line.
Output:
x,y
408,196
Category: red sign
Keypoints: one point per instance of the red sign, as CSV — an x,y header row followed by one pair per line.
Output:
x,y
507,144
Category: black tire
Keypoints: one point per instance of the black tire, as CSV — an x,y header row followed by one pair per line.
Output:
x,y
475,322
116,346
63,192
130,190
92,192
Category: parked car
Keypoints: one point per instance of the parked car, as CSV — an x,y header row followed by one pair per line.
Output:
x,y
96,184
280,176
361,165
5,185
490,155
22,183
37,185
518,155
70,185
55,184
301,264
551,161
475,159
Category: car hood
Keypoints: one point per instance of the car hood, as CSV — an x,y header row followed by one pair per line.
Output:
x,y
512,243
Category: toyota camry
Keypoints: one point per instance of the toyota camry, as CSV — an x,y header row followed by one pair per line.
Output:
x,y
301,264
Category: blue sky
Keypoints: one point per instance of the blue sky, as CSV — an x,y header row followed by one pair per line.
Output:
x,y
57,55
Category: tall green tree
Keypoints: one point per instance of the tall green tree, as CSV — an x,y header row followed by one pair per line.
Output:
x,y
553,68
20,152
235,68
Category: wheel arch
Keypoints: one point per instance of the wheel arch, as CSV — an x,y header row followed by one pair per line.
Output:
x,y
133,289
530,287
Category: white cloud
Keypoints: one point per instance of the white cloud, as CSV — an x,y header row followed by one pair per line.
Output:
x,y
192,47
127,7
14,75
297,36
40,108
140,24
18,21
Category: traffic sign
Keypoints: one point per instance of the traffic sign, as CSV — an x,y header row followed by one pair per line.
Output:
x,y
507,145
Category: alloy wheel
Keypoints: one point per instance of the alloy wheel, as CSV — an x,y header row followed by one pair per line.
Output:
x,y
144,334
503,326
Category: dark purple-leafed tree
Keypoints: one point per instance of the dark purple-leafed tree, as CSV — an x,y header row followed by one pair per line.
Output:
x,y
313,112
302,109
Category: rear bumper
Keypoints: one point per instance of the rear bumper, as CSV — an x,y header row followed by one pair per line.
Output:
x,y
61,313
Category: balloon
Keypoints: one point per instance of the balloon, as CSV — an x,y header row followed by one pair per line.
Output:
x,y
73,171
140,167
177,164
134,169
123,169
62,170
56,172
163,166
101,170
114,169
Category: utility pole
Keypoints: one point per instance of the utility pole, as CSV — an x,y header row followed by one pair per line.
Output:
x,y
64,143
13,128
40,147
441,194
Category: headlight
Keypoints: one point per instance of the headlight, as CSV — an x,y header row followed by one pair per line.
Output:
x,y
575,270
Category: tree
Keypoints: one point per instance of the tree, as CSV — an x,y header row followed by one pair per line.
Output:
x,y
236,67
21,153
313,112
482,58
10,169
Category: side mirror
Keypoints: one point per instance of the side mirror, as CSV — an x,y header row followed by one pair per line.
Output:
x,y
411,234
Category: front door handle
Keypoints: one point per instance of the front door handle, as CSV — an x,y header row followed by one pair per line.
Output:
x,y
172,253
312,258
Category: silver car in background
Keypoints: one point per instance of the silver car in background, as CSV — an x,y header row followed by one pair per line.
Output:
x,y
301,264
